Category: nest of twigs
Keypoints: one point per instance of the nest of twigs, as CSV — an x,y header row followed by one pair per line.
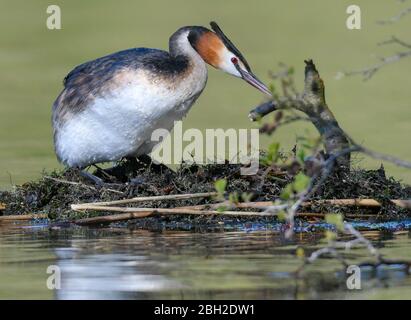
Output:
x,y
55,192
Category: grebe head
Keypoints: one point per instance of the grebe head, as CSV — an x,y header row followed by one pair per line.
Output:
x,y
217,50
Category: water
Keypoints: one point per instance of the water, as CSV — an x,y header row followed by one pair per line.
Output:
x,y
122,263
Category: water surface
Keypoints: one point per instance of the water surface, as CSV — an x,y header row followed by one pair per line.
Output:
x,y
121,263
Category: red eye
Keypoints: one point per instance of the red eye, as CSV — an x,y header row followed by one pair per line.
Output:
x,y
234,60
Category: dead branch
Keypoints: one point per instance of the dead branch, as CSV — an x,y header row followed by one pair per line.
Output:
x,y
312,103
336,140
333,245
73,183
166,210
348,228
151,198
365,203
397,17
368,72
22,217
129,213
337,143
395,40
112,218
384,157
136,213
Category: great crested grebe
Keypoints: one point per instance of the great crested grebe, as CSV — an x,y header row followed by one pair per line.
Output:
x,y
110,106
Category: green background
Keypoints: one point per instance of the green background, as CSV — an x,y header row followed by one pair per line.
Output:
x,y
34,60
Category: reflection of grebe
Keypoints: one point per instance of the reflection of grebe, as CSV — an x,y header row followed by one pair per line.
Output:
x,y
107,276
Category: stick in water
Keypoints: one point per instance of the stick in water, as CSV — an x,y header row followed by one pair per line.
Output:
x,y
152,198
22,217
135,213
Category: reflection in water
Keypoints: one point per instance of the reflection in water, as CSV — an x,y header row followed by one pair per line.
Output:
x,y
119,263
108,276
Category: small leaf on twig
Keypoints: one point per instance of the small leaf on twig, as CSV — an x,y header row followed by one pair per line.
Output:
x,y
300,253
336,220
301,182
220,186
330,236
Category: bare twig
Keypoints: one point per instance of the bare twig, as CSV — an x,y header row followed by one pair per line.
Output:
x,y
334,245
395,40
325,170
286,79
361,239
384,157
323,251
368,72
151,198
166,210
312,102
306,106
136,213
313,187
22,217
331,202
112,218
397,17
73,183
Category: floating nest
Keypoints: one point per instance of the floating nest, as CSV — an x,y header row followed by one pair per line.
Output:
x,y
56,191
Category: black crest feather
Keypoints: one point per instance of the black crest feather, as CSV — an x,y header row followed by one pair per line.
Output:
x,y
230,46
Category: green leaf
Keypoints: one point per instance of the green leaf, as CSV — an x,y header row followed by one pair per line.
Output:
x,y
330,236
287,192
233,197
301,182
246,196
272,153
282,215
301,155
220,186
300,253
335,219
221,209
269,157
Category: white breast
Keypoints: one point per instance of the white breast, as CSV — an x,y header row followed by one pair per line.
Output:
x,y
120,123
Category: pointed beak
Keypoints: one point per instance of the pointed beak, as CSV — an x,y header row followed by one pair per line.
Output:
x,y
254,81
